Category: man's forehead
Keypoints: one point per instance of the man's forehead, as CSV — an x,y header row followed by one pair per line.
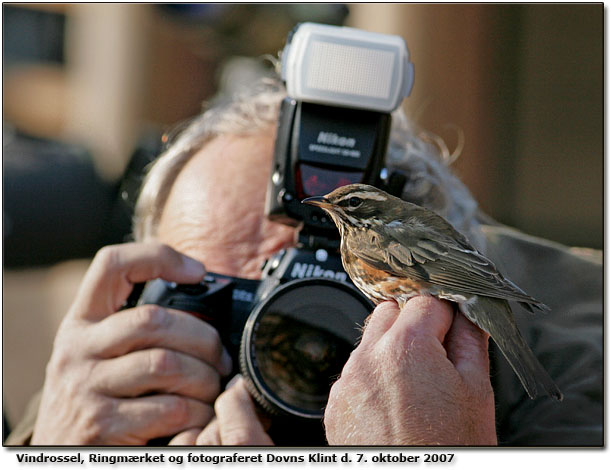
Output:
x,y
215,211
236,149
228,173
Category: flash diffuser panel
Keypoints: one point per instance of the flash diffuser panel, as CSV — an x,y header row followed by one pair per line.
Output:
x,y
347,67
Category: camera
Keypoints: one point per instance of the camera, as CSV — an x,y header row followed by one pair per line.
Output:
x,y
292,332
289,334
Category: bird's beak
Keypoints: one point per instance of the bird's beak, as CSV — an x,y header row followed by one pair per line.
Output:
x,y
319,201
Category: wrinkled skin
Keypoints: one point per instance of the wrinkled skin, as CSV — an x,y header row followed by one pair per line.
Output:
x,y
420,376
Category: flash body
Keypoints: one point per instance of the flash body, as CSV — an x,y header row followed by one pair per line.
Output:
x,y
333,127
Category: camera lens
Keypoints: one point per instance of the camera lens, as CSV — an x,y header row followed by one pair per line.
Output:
x,y
296,343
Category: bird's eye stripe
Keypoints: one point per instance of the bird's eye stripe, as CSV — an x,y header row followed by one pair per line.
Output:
x,y
364,195
370,195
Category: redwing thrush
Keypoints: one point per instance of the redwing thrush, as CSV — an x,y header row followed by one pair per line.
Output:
x,y
394,250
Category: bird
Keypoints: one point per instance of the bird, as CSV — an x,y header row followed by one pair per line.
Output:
x,y
394,250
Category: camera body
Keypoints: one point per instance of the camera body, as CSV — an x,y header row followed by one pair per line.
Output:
x,y
292,331
288,333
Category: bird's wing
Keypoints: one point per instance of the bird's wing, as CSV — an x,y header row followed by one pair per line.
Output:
x,y
443,259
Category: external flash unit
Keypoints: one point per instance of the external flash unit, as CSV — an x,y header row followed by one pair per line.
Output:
x,y
342,84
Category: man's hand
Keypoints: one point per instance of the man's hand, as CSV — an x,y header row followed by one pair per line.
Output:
x,y
420,376
236,422
125,377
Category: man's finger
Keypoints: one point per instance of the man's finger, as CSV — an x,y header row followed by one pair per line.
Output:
x,y
425,315
159,416
238,420
115,269
210,435
379,322
185,438
467,349
156,370
148,326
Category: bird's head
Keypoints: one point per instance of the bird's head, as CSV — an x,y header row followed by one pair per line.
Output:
x,y
355,206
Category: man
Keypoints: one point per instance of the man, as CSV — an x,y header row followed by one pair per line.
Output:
x,y
420,376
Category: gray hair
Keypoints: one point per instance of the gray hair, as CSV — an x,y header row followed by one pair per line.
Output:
x,y
249,113
422,158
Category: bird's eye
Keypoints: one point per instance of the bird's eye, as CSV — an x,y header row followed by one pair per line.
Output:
x,y
355,201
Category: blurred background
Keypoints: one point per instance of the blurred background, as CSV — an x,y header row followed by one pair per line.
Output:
x,y
89,88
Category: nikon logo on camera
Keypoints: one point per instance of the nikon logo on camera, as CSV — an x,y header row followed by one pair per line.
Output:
x,y
301,270
331,138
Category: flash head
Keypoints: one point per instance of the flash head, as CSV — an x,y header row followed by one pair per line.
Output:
x,y
348,67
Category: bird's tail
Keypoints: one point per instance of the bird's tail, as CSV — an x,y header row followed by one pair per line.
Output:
x,y
495,317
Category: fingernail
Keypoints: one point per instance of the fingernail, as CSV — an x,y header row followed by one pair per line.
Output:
x,y
234,380
194,267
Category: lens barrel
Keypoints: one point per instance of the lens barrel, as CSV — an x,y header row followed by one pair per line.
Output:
x,y
296,342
